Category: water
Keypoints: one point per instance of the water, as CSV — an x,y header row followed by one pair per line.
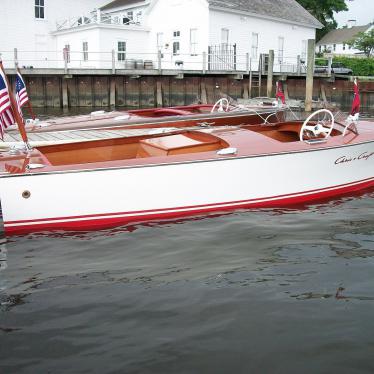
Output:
x,y
252,291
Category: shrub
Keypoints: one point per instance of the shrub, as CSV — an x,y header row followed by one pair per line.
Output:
x,y
359,66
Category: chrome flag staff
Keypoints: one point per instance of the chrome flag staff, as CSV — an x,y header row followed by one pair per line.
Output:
x,y
8,108
21,95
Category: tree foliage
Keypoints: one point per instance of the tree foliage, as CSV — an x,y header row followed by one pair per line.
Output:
x,y
324,10
364,42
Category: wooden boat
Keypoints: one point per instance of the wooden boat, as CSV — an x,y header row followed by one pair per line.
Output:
x,y
105,125
102,183
219,114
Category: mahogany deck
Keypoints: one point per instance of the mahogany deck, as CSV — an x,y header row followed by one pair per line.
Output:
x,y
111,153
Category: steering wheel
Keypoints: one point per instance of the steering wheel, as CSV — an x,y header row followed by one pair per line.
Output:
x,y
319,128
221,103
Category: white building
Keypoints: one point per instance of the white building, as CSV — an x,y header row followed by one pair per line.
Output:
x,y
28,25
188,34
336,41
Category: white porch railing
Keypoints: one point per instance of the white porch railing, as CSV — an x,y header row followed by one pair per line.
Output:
x,y
96,17
117,60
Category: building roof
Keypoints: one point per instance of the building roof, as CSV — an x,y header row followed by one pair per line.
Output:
x,y
288,10
119,3
340,36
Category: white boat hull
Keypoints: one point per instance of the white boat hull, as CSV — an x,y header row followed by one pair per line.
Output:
x,y
96,198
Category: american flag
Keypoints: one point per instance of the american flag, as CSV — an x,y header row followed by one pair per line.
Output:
x,y
6,113
21,93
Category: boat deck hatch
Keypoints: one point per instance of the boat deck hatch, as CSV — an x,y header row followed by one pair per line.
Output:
x,y
177,144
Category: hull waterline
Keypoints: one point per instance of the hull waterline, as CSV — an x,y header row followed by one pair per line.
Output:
x,y
98,222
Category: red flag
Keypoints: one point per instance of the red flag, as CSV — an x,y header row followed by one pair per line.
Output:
x,y
279,92
356,99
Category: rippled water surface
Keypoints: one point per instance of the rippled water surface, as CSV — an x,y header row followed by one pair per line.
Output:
x,y
254,291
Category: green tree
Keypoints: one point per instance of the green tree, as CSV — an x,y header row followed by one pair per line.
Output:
x,y
324,10
364,42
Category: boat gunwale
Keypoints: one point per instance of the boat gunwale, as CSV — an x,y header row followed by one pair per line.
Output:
x,y
143,122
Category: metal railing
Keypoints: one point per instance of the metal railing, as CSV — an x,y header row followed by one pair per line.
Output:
x,y
215,61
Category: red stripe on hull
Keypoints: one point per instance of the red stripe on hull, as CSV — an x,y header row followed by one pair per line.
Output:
x,y
95,222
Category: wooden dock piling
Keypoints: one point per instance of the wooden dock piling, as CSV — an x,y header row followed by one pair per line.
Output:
x,y
269,87
310,75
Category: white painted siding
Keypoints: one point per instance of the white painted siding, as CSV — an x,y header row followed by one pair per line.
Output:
x,y
26,33
339,48
101,41
169,16
136,43
189,26
241,29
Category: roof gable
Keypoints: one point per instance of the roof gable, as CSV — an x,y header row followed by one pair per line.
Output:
x,y
340,36
288,10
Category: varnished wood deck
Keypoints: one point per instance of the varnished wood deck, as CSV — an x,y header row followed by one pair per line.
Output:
x,y
61,137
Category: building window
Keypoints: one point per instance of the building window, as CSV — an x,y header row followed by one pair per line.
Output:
x,y
121,51
334,46
85,51
320,49
225,37
130,15
193,42
126,20
176,48
304,48
160,41
39,9
343,46
176,34
280,49
254,49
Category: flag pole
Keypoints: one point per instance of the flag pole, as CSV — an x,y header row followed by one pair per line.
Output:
x,y
17,116
32,114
